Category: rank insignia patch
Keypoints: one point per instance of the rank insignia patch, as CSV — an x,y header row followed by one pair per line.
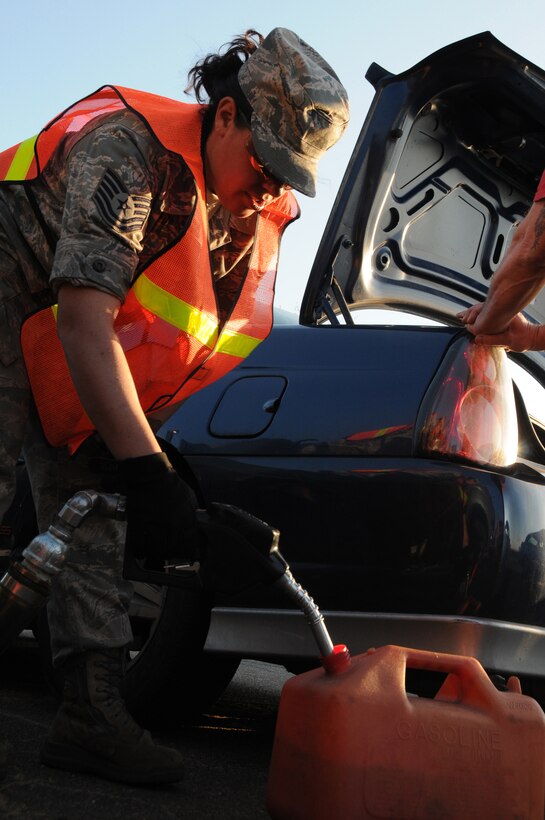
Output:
x,y
121,211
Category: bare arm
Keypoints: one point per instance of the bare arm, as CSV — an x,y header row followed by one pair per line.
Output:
x,y
99,369
517,281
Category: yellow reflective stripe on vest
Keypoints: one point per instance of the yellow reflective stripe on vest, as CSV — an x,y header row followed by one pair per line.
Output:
x,y
22,160
236,344
180,314
175,311
191,320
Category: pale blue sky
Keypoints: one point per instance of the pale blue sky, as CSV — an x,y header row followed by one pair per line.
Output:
x,y
56,51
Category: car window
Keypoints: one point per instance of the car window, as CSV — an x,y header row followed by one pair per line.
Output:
x,y
532,391
373,316
376,316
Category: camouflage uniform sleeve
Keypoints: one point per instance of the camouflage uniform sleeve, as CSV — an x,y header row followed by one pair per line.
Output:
x,y
106,209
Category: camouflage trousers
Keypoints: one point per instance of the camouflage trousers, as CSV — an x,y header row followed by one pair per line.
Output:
x,y
88,607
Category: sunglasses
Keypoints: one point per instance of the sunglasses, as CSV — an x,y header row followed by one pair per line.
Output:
x,y
268,180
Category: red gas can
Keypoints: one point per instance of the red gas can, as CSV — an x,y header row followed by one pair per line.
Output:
x,y
356,746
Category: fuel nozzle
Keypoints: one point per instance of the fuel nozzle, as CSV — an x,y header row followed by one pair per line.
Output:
x,y
238,550
241,550
334,658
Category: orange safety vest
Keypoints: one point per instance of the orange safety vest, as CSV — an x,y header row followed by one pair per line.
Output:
x,y
168,325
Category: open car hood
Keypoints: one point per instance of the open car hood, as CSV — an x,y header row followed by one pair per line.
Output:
x,y
446,165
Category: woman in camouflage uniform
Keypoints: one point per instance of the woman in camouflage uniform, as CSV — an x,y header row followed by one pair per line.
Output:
x,y
109,200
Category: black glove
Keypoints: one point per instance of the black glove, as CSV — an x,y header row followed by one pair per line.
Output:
x,y
161,508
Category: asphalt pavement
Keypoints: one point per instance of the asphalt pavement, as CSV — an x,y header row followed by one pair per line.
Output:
x,y
227,754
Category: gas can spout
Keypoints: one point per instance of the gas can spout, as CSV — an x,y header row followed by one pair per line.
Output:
x,y
338,661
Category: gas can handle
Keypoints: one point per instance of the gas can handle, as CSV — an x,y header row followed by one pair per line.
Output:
x,y
466,678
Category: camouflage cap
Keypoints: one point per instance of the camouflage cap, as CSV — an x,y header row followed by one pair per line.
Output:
x,y
299,107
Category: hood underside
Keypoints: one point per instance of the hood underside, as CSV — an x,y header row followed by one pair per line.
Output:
x,y
445,167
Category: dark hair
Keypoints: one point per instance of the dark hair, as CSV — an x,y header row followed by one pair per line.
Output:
x,y
216,76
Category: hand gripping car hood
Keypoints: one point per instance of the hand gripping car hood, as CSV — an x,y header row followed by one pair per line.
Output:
x,y
446,165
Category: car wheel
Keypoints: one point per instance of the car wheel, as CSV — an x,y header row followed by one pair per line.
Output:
x,y
169,679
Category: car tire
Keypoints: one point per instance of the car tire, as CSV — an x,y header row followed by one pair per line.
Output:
x,y
171,680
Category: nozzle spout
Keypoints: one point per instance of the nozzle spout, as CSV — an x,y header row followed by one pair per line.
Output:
x,y
302,599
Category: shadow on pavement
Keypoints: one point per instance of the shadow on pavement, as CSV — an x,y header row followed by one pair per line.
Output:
x,y
227,754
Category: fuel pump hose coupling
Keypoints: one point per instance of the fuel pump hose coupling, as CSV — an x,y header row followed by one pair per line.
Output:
x,y
25,587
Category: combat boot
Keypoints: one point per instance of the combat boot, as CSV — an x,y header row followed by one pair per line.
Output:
x,y
93,732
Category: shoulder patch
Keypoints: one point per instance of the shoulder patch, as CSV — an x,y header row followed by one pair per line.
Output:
x,y
120,210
